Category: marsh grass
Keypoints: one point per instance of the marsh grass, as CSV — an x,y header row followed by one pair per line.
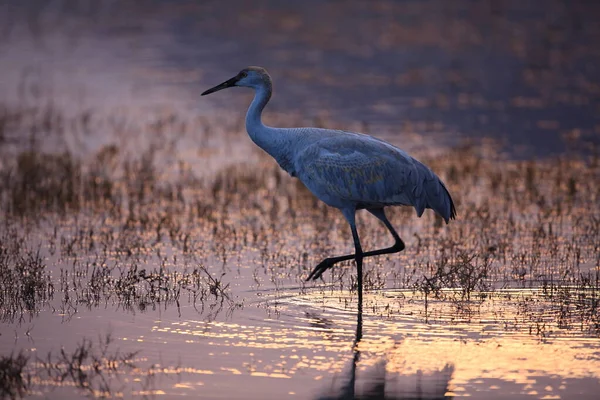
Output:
x,y
143,230
25,283
109,229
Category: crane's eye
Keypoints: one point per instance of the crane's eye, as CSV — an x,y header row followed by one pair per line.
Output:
x,y
243,74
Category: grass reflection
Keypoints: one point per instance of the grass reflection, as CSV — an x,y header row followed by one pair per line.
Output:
x,y
91,367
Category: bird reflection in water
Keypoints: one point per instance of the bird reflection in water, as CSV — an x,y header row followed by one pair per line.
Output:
x,y
379,383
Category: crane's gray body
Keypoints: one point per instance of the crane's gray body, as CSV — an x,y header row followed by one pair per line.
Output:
x,y
352,170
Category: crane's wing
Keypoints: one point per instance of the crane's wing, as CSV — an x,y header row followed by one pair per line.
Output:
x,y
365,171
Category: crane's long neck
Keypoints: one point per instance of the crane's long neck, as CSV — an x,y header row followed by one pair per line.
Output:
x,y
276,142
253,116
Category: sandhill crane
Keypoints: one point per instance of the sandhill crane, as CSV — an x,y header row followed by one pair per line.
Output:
x,y
349,171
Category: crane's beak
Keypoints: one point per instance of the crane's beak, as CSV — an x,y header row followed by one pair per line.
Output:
x,y
229,83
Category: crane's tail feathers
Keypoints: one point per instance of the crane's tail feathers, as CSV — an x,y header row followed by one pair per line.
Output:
x,y
439,200
452,207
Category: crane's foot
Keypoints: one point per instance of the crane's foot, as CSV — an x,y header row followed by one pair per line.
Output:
x,y
319,269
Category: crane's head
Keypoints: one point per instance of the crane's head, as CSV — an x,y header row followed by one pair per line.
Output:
x,y
254,77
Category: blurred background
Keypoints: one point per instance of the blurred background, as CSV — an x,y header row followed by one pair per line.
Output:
x,y
523,72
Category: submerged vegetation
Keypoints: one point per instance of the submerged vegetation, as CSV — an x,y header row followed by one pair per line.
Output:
x,y
138,232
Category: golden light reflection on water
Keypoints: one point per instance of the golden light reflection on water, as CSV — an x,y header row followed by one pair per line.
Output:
x,y
486,357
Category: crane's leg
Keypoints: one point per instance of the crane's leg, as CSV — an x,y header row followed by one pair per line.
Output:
x,y
395,248
350,215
